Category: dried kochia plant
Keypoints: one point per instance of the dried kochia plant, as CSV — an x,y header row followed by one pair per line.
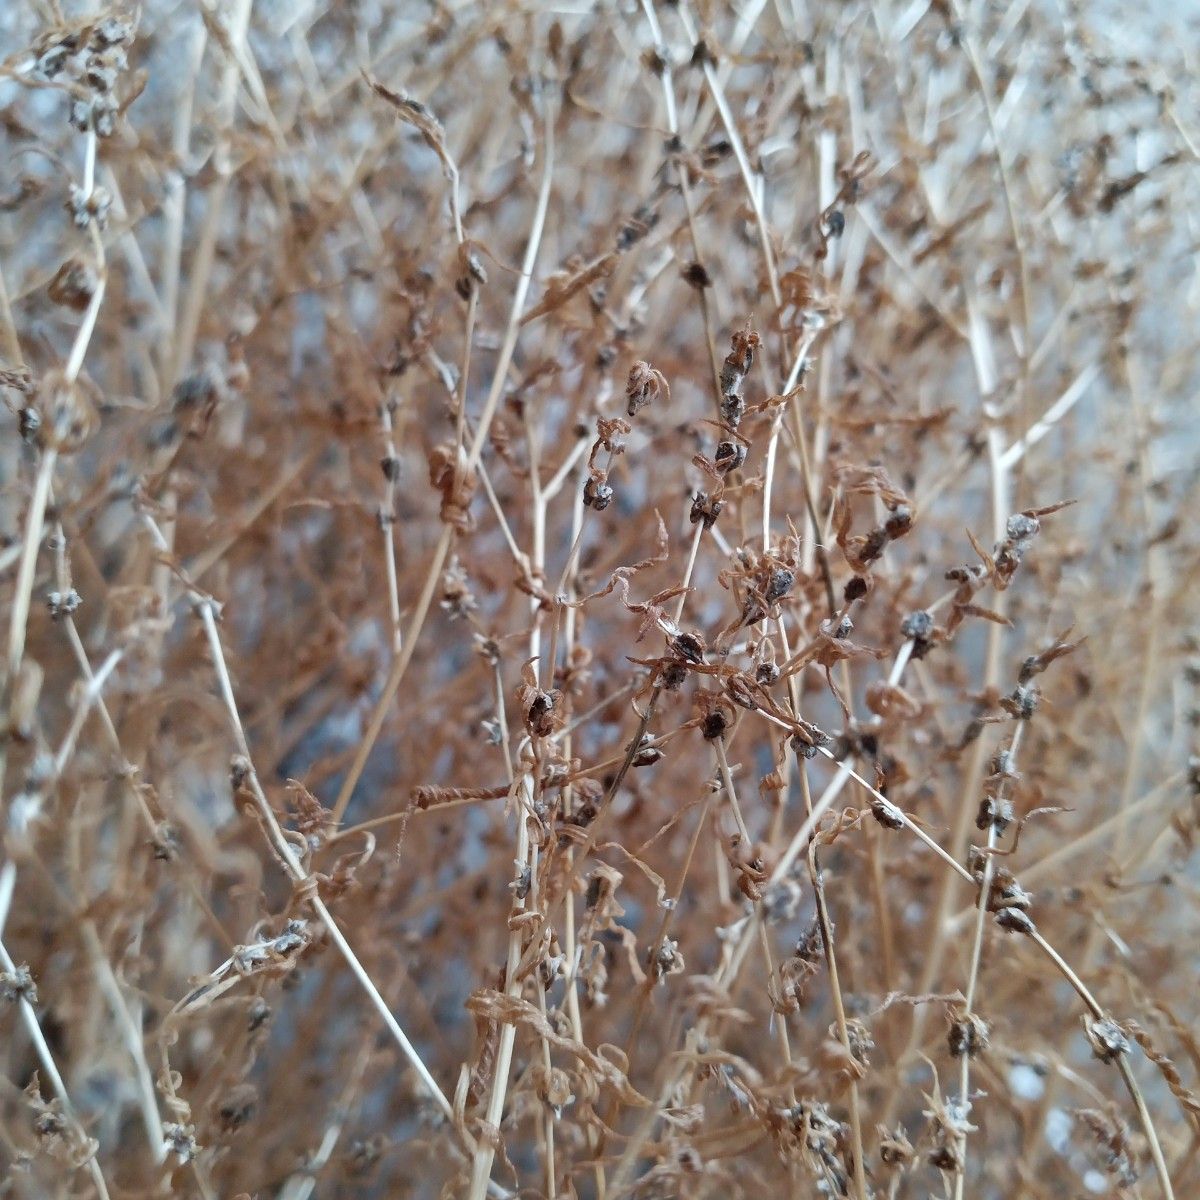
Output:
x,y
598,603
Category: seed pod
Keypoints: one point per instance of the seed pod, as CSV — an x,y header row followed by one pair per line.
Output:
x,y
1015,920
597,494
886,813
644,385
729,456
673,676
647,755
780,582
541,718
689,647
917,625
900,522
995,811
968,1035
1107,1038
705,509
29,421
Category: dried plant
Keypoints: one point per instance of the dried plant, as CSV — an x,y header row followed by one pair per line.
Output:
x,y
599,600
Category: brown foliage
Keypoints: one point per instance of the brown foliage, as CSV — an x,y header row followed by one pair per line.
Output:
x,y
598,602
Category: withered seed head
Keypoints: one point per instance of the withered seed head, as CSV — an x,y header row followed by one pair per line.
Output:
x,y
968,1034
779,583
917,625
996,811
647,755
729,456
1107,1038
689,647
886,813
1015,920
706,509
597,494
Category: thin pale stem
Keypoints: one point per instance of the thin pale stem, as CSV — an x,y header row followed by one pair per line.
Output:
x,y
400,667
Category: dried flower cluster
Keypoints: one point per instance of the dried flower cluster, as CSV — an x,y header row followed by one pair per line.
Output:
x,y
599,601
